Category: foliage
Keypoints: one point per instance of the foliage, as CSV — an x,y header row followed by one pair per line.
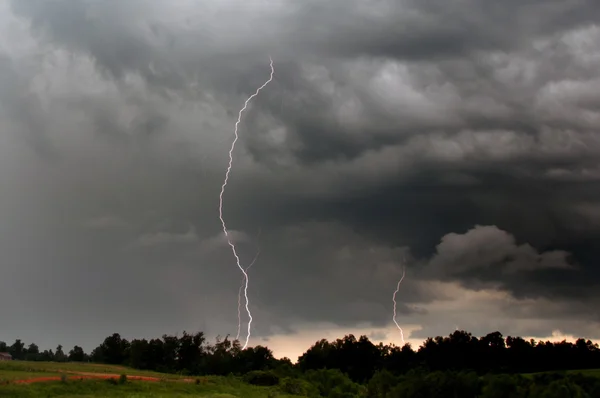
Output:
x,y
296,386
102,388
460,365
261,378
333,383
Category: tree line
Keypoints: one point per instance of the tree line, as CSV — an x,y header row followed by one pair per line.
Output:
x,y
358,358
353,367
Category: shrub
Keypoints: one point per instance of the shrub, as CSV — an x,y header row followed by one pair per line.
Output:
x,y
381,384
333,381
122,379
261,378
295,386
501,386
63,378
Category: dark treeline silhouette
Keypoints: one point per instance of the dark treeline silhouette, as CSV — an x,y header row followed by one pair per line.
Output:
x,y
186,354
350,366
360,358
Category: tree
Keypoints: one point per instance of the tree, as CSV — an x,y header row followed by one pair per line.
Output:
x,y
170,352
254,358
190,352
381,384
32,352
17,349
47,356
77,354
316,357
59,355
139,354
114,350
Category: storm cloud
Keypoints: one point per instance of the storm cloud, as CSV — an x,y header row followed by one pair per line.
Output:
x,y
458,139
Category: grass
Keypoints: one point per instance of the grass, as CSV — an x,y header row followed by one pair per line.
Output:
x,y
585,372
169,386
214,387
102,388
7,375
56,368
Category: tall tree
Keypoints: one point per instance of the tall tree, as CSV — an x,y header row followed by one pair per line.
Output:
x,y
59,355
114,350
77,354
17,349
32,352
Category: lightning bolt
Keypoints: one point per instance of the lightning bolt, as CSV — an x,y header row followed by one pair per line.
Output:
x,y
237,337
394,300
233,249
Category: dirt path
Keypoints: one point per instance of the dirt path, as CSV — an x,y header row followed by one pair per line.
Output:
x,y
87,375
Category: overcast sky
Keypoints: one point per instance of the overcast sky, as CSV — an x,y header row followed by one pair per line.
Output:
x,y
457,137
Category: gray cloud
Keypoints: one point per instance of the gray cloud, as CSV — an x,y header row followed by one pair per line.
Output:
x,y
161,238
458,137
489,247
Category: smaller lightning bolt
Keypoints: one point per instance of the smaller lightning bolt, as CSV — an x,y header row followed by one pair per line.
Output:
x,y
237,337
243,283
394,299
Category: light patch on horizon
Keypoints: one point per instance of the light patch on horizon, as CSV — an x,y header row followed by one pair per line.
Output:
x,y
461,309
294,346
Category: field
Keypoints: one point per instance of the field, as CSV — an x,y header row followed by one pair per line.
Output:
x,y
42,379
585,372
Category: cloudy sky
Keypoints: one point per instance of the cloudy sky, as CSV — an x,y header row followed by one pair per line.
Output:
x,y
457,138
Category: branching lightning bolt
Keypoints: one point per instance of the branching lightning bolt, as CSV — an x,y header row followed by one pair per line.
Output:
x,y
394,299
242,284
233,249
237,337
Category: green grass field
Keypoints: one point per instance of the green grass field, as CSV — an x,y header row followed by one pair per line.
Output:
x,y
585,372
57,368
101,388
169,386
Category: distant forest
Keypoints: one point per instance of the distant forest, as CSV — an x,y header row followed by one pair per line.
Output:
x,y
358,361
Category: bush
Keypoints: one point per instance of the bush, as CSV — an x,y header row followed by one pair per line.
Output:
x,y
295,386
558,389
433,385
501,386
261,378
381,384
333,383
122,379
63,378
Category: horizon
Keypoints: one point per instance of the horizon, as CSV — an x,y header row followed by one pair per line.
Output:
x,y
280,353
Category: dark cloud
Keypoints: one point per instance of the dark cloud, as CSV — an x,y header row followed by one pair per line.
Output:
x,y
458,140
